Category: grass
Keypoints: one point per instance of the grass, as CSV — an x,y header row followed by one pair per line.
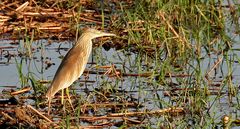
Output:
x,y
182,36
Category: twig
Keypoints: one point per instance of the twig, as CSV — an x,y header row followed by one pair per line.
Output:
x,y
161,111
26,89
214,66
22,7
121,115
39,113
172,29
9,117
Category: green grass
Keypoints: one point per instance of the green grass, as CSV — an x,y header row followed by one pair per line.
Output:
x,y
182,34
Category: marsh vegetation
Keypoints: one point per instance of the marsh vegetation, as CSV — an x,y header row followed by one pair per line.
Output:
x,y
173,64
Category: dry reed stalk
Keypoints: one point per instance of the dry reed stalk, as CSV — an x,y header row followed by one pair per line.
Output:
x,y
22,7
216,64
26,89
39,113
46,18
158,112
182,39
109,105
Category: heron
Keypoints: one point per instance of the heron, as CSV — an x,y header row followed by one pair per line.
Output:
x,y
74,63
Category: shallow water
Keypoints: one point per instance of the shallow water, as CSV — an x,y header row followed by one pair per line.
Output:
x,y
126,61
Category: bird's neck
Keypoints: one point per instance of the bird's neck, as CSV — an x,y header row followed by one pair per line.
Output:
x,y
84,41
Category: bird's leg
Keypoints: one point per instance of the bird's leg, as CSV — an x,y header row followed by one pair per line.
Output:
x,y
49,106
69,99
62,97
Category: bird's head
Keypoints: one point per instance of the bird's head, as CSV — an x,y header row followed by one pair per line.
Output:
x,y
93,33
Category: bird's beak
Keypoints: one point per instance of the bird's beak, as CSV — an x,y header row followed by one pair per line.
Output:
x,y
106,34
